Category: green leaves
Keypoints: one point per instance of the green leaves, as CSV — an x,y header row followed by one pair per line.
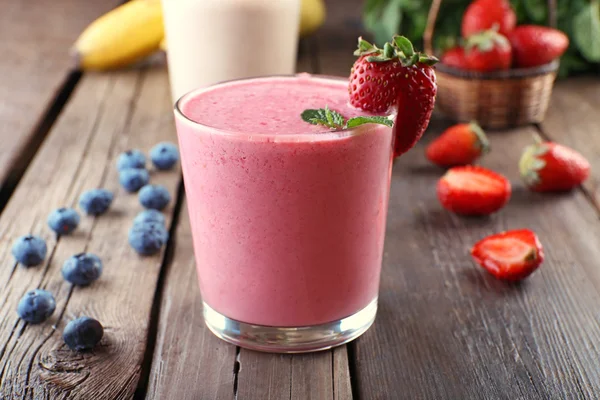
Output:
x,y
577,18
356,121
586,31
335,120
324,116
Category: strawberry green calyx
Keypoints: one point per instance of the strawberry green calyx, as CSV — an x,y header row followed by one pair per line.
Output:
x,y
530,163
486,41
482,141
400,48
336,121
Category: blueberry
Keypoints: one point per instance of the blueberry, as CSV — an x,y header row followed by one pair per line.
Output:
x,y
36,306
83,333
131,159
150,216
95,201
164,155
154,196
29,250
148,238
63,220
132,179
82,269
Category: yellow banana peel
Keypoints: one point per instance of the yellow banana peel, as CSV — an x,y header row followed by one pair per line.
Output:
x,y
312,16
135,30
120,37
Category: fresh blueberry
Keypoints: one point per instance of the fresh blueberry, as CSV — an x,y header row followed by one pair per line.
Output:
x,y
95,201
29,250
164,155
63,220
132,179
131,159
154,196
36,306
148,238
149,216
82,269
83,333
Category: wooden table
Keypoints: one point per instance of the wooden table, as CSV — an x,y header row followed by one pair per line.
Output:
x,y
445,328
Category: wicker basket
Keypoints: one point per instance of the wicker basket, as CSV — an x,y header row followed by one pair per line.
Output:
x,y
499,99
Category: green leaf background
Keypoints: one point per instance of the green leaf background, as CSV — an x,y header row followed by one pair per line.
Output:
x,y
579,19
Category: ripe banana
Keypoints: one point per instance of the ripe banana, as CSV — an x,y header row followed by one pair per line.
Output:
x,y
120,37
312,16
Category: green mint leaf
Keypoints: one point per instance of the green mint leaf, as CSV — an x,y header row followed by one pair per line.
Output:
x,y
323,116
404,45
356,121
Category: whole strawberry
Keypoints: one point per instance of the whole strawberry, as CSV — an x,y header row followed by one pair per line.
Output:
x,y
482,15
537,45
551,167
455,57
460,144
510,256
488,51
395,76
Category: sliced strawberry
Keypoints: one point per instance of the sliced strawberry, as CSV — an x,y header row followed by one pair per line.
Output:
x,y
460,144
415,101
548,166
473,190
488,51
511,255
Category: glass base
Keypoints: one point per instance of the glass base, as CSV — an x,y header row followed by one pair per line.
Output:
x,y
290,340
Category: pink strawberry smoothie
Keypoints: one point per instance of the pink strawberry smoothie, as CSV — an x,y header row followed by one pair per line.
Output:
x,y
288,218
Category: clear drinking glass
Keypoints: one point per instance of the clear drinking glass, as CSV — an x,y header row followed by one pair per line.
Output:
x,y
210,41
288,230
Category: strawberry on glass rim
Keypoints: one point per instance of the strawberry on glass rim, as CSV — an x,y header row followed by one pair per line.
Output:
x,y
395,76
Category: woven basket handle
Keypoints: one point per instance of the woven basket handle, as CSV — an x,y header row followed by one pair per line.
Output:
x,y
435,9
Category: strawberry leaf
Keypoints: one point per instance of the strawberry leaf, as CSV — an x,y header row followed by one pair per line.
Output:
x,y
356,121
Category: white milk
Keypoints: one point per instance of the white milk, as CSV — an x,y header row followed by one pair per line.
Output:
x,y
209,41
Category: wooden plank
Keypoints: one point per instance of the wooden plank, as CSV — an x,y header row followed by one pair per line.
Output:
x,y
189,361
108,114
448,330
36,37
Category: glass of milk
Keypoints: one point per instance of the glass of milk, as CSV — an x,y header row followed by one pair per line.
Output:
x,y
210,41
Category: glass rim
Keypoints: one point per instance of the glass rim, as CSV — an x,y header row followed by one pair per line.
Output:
x,y
307,136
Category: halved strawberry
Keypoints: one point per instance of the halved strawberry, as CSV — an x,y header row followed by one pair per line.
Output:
x,y
549,166
460,144
511,255
473,190
395,76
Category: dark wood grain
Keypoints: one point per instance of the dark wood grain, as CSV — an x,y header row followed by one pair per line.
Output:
x,y
36,37
107,114
448,330
189,361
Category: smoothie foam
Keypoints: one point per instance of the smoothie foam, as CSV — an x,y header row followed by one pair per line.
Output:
x,y
288,218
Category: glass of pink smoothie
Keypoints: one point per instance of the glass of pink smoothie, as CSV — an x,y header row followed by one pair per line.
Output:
x,y
288,218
